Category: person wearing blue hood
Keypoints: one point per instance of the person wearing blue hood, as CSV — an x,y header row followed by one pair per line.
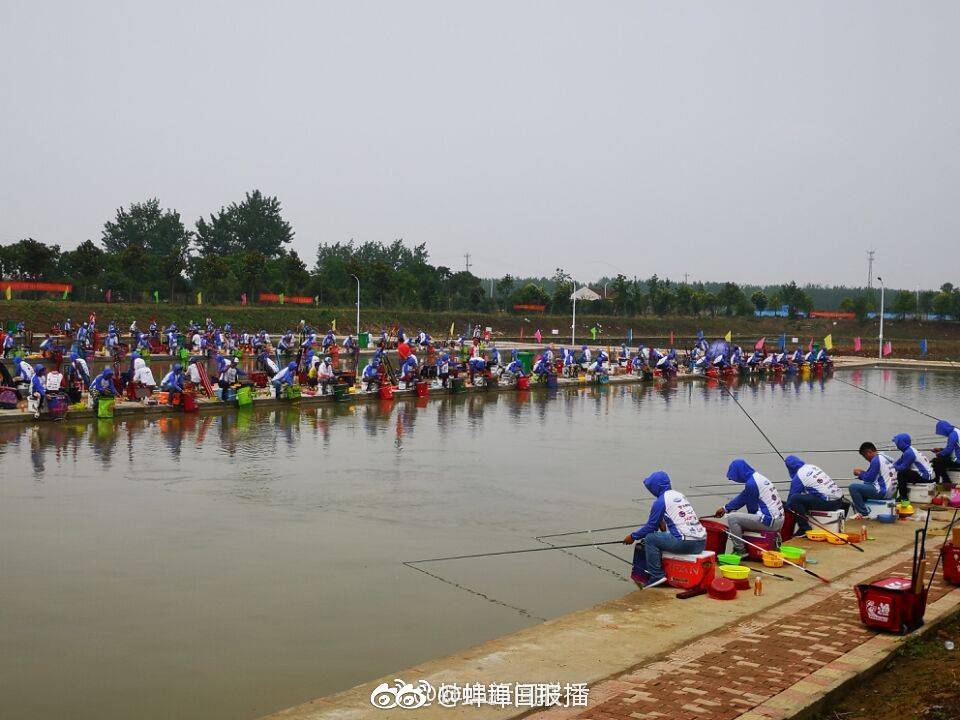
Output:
x,y
672,527
948,457
102,384
287,376
173,381
810,489
877,482
912,467
371,375
760,496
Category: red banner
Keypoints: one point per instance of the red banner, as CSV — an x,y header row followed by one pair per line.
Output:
x,y
36,286
295,299
832,315
538,308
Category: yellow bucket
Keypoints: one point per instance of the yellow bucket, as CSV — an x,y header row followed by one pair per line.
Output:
x,y
735,572
772,559
816,535
837,539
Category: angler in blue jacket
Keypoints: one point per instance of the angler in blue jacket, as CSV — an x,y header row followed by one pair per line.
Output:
x,y
912,467
371,374
79,367
103,384
476,366
287,376
494,357
948,457
760,496
877,482
38,389
598,364
410,369
22,369
173,381
672,527
810,489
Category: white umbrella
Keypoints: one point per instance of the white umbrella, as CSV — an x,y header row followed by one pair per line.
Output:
x,y
584,293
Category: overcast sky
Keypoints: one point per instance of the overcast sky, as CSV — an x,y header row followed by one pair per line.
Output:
x,y
753,141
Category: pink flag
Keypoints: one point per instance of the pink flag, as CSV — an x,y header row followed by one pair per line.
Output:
x,y
671,338
109,295
760,343
856,344
537,335
887,348
810,346
243,298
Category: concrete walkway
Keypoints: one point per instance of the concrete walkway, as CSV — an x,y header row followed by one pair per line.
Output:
x,y
773,666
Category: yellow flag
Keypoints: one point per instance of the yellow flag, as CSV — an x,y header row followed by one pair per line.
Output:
x,y
451,329
333,325
729,336
199,298
828,342
8,293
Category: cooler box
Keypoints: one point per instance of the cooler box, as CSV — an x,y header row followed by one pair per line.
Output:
x,y
716,536
832,520
950,556
8,398
57,405
921,492
767,539
890,604
688,571
189,402
882,507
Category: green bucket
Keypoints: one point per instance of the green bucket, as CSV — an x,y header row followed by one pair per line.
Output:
x,y
458,385
363,339
728,559
105,407
244,396
340,392
525,358
793,554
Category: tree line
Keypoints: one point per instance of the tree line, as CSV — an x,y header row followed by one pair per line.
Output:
x,y
147,253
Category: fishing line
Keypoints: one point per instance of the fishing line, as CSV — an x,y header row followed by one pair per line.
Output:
x,y
884,397
477,593
604,550
592,564
509,552
582,532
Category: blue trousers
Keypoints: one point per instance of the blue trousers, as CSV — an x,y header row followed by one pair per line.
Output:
x,y
860,493
648,558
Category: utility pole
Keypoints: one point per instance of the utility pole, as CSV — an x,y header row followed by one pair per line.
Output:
x,y
870,269
685,276
467,256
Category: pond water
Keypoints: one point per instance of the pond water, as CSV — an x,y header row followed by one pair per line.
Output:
x,y
225,566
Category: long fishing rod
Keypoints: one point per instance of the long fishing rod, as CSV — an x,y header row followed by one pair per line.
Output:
x,y
810,520
584,560
585,532
798,567
510,552
884,397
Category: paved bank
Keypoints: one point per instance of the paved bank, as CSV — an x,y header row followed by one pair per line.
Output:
x,y
634,653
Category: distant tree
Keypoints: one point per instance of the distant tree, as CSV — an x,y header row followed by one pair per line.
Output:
x,y
759,300
83,266
530,294
505,286
255,225
795,299
860,305
926,302
943,303
731,298
904,302
562,290
30,259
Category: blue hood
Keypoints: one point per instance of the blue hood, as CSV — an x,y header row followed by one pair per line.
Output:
x,y
944,428
793,463
902,441
658,483
739,471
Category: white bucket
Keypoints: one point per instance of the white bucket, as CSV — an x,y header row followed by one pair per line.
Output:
x,y
832,520
921,492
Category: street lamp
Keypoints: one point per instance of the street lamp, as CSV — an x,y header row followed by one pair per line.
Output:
x,y
880,352
358,305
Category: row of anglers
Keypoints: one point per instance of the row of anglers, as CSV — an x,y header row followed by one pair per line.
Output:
x,y
674,527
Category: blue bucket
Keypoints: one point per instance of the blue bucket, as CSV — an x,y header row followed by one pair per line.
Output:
x,y
552,381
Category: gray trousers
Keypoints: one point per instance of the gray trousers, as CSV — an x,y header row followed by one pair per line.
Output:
x,y
737,522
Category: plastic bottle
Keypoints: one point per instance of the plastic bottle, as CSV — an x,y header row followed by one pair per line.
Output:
x,y
758,586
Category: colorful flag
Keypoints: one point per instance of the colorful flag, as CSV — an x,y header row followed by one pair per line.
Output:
x,y
156,296
66,293
887,348
630,336
199,298
243,298
8,293
671,338
828,342
538,336
810,346
923,347
109,295
760,343
593,332
856,344
281,298
783,342
729,336
333,324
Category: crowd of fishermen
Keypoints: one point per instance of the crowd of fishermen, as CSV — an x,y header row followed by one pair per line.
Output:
x,y
674,527
320,360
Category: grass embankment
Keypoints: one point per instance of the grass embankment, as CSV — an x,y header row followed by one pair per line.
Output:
x,y
922,680
943,337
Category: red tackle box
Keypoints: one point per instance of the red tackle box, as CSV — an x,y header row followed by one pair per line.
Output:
x,y
891,604
688,571
950,557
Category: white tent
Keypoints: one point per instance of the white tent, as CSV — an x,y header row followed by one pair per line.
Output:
x,y
584,293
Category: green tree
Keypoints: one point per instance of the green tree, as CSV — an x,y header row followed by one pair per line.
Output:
x,y
860,305
904,302
731,298
83,266
505,286
759,300
255,225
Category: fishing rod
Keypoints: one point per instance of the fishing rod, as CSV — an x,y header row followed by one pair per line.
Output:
x,y
583,532
884,397
843,540
511,552
729,484
584,560
798,567
772,574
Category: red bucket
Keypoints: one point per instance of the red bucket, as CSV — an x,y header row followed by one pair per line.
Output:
x,y
766,539
189,402
716,536
423,389
789,523
386,392
523,383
